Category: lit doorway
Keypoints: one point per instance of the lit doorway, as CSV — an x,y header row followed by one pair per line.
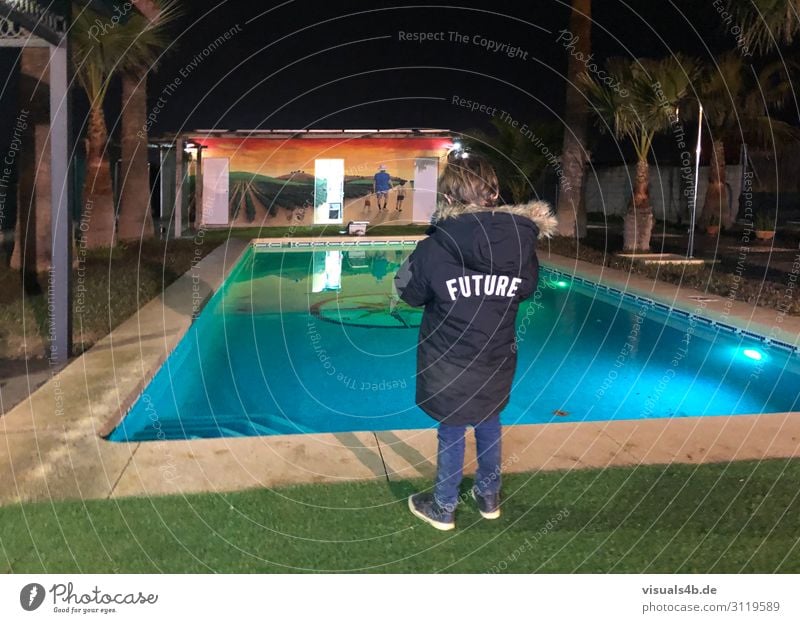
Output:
x,y
328,190
426,176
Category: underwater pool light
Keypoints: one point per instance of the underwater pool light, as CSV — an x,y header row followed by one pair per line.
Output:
x,y
562,284
752,353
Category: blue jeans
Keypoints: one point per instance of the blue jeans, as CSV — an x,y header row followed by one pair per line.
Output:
x,y
450,461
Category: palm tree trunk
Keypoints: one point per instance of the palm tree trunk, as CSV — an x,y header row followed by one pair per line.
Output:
x,y
97,218
135,219
149,9
571,210
32,240
639,219
716,202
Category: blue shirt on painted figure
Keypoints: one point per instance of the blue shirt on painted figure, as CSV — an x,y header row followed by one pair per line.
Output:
x,y
383,182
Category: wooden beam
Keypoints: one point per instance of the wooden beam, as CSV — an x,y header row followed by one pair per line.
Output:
x,y
36,19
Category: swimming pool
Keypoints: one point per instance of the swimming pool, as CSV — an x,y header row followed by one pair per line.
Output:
x,y
306,339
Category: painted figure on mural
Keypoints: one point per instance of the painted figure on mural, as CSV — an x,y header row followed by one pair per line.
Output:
x,y
382,184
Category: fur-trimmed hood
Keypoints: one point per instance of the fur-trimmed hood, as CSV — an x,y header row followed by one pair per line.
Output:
x,y
537,211
499,240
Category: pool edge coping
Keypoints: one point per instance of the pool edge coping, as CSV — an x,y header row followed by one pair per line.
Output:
x,y
127,450
194,274
739,315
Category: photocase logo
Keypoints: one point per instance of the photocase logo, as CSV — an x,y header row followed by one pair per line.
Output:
x,y
31,596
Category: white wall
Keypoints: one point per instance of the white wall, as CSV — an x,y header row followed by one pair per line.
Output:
x,y
215,191
426,176
609,189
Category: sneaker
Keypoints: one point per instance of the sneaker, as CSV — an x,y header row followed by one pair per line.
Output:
x,y
489,505
425,506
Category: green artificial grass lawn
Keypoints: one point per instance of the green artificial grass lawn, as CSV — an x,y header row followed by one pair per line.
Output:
x,y
737,517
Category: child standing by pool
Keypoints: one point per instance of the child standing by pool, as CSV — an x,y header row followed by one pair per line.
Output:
x,y
477,264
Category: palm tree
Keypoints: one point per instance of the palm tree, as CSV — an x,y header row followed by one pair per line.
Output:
x,y
135,221
734,103
129,47
94,65
765,23
518,154
32,246
571,209
636,103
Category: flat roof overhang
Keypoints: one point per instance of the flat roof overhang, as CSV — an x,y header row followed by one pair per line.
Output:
x,y
283,134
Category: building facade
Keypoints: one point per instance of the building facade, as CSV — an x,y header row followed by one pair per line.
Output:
x,y
308,177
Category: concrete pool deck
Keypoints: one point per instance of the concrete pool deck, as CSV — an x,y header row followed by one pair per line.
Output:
x,y
51,444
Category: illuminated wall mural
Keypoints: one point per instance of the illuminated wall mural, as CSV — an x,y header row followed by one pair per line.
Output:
x,y
272,180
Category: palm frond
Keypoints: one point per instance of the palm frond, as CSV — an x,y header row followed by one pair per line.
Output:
x,y
518,154
736,101
640,97
722,91
774,84
133,45
766,23
766,131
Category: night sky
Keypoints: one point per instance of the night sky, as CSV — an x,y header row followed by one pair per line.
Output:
x,y
342,64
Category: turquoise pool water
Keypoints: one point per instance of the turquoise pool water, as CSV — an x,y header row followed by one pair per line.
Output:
x,y
302,340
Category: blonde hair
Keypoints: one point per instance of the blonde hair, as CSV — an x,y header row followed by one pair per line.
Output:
x,y
469,181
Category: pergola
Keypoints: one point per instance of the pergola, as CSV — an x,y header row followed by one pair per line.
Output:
x,y
32,23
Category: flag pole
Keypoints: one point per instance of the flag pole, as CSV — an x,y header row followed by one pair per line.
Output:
x,y
693,218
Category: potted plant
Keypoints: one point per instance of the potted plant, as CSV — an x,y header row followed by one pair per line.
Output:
x,y
765,225
712,227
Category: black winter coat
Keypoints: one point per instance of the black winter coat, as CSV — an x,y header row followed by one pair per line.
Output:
x,y
471,273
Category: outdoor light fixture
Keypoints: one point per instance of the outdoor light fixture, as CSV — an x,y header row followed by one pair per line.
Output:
x,y
457,145
752,353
